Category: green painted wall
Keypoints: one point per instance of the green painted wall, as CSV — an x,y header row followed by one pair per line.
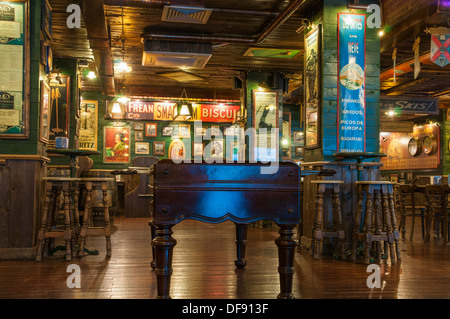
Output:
x,y
102,122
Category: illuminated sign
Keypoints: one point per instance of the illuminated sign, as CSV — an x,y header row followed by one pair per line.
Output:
x,y
163,111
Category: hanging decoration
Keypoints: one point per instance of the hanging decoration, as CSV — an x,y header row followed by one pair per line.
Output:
x,y
416,57
440,46
394,59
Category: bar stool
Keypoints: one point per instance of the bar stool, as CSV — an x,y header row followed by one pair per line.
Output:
x,y
406,195
337,231
87,227
437,211
376,222
49,228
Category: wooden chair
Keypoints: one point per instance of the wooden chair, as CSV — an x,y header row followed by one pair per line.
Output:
x,y
436,201
407,197
375,221
135,206
319,230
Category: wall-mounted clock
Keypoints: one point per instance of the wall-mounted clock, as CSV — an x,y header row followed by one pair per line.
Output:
x,y
429,144
414,146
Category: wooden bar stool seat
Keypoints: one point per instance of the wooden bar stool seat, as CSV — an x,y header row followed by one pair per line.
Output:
x,y
319,231
87,228
375,221
49,229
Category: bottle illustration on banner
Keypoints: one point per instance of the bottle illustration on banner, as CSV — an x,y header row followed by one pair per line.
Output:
x,y
352,75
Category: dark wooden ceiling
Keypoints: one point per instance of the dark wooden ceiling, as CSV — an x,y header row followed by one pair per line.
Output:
x,y
235,26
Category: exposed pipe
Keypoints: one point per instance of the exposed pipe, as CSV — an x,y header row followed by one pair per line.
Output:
x,y
280,19
97,34
198,38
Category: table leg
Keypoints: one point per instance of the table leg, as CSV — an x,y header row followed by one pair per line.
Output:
x,y
241,243
163,243
286,252
153,235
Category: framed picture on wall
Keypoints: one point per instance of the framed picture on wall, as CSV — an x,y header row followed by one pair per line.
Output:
x,y
312,96
216,149
45,116
393,178
215,130
197,149
59,107
150,129
286,136
265,122
200,131
167,131
298,137
299,151
138,135
141,148
116,144
139,126
15,69
88,111
184,130
159,148
409,177
229,131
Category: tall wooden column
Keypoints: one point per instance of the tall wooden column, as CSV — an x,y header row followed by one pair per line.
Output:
x,y
323,76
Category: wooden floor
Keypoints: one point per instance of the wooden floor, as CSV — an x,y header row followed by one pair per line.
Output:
x,y
204,269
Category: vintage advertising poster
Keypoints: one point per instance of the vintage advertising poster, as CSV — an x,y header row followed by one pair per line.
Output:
x,y
351,82
177,150
45,116
88,111
312,87
13,70
116,144
265,123
416,150
59,107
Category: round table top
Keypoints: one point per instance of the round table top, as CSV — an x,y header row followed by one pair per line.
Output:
x,y
72,152
359,155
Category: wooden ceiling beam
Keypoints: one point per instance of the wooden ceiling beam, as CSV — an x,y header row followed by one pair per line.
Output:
x,y
396,90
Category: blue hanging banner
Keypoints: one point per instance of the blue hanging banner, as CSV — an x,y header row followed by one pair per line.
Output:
x,y
351,82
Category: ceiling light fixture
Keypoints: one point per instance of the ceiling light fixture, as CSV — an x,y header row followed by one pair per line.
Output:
x,y
184,109
91,75
123,66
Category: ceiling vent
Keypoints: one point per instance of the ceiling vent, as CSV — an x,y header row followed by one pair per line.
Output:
x,y
162,53
186,14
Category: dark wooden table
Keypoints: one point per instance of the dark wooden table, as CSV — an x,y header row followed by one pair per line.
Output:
x,y
214,193
72,154
359,157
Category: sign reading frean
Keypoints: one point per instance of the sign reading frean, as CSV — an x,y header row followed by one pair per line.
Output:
x,y
163,111
351,82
